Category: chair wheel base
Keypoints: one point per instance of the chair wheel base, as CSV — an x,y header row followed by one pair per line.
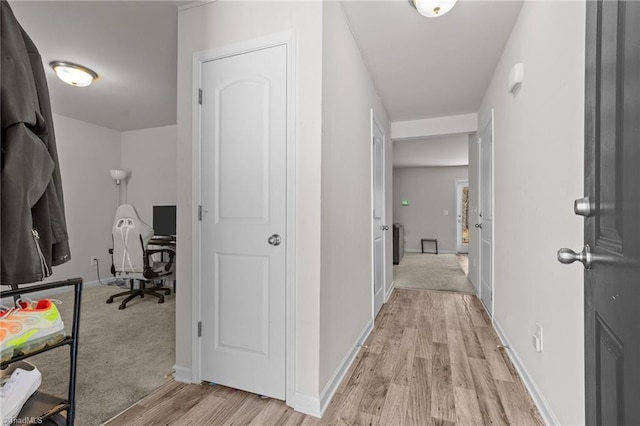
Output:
x,y
122,307
109,300
161,300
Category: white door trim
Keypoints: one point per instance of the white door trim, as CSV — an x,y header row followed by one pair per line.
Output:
x,y
460,183
490,122
376,122
288,39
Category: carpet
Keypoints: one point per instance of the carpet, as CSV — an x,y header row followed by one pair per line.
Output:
x,y
431,272
123,355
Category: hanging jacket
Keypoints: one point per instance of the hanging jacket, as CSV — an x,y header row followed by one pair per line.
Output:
x,y
33,228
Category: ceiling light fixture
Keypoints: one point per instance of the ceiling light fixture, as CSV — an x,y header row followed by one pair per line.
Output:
x,y
73,74
433,8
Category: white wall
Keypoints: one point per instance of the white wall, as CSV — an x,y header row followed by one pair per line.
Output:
x,y
538,173
150,156
223,23
346,287
430,191
86,154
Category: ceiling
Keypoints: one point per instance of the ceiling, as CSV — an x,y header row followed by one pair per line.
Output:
x,y
132,45
421,67
431,67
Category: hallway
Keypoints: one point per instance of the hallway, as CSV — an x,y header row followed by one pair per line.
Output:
x,y
432,359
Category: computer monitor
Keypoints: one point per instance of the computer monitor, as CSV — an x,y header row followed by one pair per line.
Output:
x,y
164,220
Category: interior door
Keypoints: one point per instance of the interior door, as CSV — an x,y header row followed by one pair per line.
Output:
x,y
612,207
243,164
379,227
486,216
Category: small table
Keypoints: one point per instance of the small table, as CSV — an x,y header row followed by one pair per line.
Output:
x,y
423,240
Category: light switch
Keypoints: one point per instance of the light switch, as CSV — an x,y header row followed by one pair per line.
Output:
x,y
445,212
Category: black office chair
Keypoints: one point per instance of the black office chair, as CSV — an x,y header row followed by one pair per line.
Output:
x,y
133,260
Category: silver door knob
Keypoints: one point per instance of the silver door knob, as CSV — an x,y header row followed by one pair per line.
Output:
x,y
583,207
274,240
567,256
478,225
384,228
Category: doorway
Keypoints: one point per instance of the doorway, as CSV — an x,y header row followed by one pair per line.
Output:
x,y
462,216
243,173
485,215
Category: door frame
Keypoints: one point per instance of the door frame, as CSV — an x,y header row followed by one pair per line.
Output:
x,y
375,122
490,122
288,39
460,183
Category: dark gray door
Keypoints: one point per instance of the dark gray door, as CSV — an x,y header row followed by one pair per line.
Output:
x,y
612,184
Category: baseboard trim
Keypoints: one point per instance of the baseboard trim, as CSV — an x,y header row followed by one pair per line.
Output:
x,y
316,405
538,398
338,376
307,404
181,374
389,292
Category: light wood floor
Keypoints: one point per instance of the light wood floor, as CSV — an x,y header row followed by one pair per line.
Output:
x,y
432,360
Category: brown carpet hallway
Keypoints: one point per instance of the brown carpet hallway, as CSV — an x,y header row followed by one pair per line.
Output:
x,y
441,272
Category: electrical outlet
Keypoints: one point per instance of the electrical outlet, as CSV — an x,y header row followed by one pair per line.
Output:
x,y
94,260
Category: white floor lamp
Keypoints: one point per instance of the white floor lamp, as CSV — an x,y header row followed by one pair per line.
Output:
x,y
119,176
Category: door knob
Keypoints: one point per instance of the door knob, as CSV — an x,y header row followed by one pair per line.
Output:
x,y
478,225
583,207
567,256
384,228
274,240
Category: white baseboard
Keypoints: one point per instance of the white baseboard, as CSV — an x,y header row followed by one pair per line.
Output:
x,y
181,374
316,405
307,404
337,377
389,292
538,398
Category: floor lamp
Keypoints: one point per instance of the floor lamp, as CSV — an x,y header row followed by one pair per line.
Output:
x,y
119,176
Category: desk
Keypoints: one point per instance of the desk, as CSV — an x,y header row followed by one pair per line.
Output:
x,y
162,242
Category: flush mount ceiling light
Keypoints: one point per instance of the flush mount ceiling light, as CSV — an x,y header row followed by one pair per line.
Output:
x,y
73,74
433,8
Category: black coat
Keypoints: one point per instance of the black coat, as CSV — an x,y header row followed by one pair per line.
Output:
x,y
33,232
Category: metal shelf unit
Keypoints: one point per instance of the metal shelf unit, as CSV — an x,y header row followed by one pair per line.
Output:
x,y
41,406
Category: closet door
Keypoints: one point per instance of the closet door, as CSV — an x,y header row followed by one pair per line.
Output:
x,y
243,163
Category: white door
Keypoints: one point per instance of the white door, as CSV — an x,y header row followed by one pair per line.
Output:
x,y
379,227
243,165
486,216
462,216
